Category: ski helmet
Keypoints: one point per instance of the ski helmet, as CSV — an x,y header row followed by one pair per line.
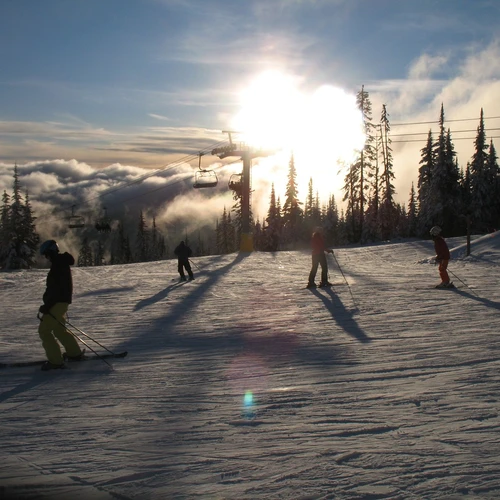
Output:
x,y
48,247
435,231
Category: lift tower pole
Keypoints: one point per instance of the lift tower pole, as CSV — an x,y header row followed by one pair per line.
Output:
x,y
246,154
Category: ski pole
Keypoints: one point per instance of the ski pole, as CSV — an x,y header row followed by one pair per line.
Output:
x,y
453,274
89,337
345,279
194,265
77,337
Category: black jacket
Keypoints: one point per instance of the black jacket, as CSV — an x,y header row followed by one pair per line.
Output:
x,y
59,280
182,251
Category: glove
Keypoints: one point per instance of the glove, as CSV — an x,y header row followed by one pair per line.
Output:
x,y
44,309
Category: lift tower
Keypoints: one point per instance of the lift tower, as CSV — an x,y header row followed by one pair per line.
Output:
x,y
247,154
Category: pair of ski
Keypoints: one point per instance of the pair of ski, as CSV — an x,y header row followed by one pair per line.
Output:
x,y
323,286
85,358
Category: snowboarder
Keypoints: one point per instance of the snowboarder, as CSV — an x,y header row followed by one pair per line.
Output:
x,y
183,253
319,251
56,300
442,257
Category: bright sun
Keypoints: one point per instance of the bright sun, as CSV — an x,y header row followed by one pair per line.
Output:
x,y
324,130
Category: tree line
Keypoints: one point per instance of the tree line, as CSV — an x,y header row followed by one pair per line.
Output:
x,y
457,199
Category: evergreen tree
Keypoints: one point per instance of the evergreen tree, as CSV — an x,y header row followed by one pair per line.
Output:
x,y
21,247
493,175
225,234
364,166
425,202
444,187
5,229
387,213
142,240
30,236
352,196
85,254
331,222
292,212
412,212
480,192
273,229
99,254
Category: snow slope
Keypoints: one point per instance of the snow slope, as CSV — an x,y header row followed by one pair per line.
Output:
x,y
243,384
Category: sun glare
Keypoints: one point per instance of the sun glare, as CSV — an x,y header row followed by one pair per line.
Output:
x,y
323,130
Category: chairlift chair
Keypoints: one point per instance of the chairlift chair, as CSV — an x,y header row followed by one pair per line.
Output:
x,y
235,183
205,179
103,224
75,221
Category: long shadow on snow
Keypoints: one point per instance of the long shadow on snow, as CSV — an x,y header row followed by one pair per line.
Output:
x,y
273,343
341,315
486,302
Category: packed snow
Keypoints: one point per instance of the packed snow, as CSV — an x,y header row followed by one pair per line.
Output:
x,y
243,384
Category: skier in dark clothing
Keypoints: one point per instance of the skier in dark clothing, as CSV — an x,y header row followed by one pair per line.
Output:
x,y
56,300
183,253
319,251
442,257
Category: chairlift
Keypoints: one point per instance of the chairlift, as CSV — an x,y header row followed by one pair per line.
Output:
x,y
75,221
204,178
103,224
236,183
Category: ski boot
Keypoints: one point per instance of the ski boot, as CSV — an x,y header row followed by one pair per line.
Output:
x,y
51,366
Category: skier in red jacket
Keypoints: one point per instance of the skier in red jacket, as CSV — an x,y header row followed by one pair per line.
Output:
x,y
442,257
319,258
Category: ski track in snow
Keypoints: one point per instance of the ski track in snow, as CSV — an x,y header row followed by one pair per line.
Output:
x,y
243,384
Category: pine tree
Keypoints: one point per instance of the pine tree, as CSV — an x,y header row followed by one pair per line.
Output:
x,y
99,254
225,234
5,229
364,165
425,202
20,249
292,212
493,175
331,222
142,240
30,236
387,212
412,212
85,254
273,228
480,193
444,187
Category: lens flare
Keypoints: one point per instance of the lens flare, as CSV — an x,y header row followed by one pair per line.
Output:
x,y
248,399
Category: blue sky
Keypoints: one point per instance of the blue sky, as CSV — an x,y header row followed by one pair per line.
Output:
x,y
141,83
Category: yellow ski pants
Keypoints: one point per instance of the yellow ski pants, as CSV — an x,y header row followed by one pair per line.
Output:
x,y
52,329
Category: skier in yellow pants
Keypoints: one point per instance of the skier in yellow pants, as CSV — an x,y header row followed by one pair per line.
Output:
x,y
52,328
56,300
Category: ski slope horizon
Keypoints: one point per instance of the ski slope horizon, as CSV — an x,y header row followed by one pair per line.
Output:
x,y
244,384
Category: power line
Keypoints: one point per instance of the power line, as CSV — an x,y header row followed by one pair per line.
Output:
x,y
451,132
140,179
454,139
136,180
446,121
